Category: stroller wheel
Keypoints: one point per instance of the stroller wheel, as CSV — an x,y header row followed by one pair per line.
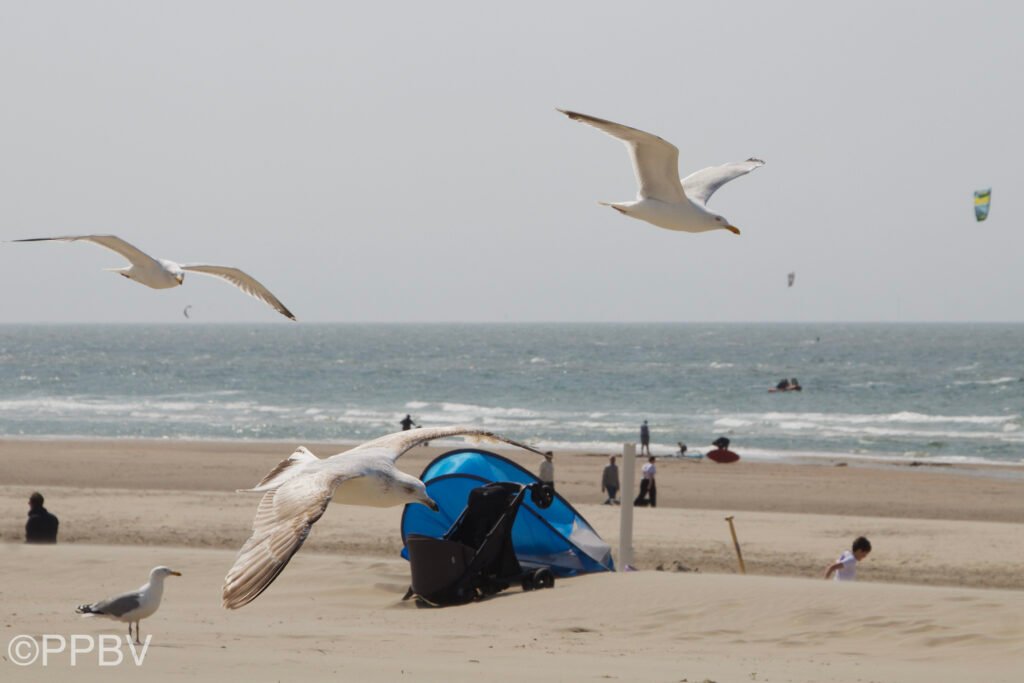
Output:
x,y
543,578
529,583
542,496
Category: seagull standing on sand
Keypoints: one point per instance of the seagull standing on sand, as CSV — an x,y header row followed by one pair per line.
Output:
x,y
662,199
135,606
163,274
298,489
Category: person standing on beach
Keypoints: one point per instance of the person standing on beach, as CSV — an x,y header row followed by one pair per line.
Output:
x,y
610,481
407,423
648,487
547,470
42,525
645,439
845,568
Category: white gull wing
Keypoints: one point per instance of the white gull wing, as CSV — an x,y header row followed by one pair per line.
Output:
x,y
393,446
245,282
136,256
700,185
655,160
282,523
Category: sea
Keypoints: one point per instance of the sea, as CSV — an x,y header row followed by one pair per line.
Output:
x,y
926,393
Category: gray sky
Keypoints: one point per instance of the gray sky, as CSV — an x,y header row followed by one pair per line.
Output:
x,y
405,163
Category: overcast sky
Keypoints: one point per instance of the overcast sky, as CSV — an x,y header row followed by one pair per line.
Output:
x,y
404,161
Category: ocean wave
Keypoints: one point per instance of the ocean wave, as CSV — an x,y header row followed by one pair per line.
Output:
x,y
477,410
853,418
984,382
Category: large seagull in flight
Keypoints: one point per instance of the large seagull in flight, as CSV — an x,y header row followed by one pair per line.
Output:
x,y
297,491
662,198
163,274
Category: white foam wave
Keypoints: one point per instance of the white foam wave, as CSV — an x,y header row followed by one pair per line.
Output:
x,y
903,416
493,411
983,382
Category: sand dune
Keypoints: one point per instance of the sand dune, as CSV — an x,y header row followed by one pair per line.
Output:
x,y
342,618
939,599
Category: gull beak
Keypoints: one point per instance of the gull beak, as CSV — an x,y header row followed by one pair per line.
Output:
x,y
733,229
180,278
429,502
175,573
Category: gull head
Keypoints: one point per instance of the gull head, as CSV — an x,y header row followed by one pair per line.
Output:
x,y
420,496
162,572
412,490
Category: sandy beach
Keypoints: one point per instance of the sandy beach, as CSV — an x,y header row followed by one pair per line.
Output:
x,y
939,599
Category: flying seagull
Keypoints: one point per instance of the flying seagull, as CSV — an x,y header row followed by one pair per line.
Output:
x,y
297,491
164,274
135,606
662,199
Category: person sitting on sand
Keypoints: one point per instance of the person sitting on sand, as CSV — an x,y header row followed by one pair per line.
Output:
x,y
42,525
783,384
794,384
845,568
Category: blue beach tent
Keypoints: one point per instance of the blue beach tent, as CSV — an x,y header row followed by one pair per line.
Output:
x,y
557,537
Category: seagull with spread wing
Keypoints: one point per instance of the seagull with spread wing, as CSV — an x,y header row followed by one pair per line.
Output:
x,y
296,493
163,274
662,198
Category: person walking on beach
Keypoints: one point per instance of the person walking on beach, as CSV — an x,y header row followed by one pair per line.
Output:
x,y
547,470
407,423
610,481
645,439
845,568
648,487
42,525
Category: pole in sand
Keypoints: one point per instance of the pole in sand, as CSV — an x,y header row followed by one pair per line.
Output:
x,y
736,544
626,509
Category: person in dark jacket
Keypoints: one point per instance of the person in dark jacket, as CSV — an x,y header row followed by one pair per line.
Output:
x,y
41,526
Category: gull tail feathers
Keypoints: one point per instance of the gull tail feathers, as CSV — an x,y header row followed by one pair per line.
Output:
x,y
86,611
617,207
284,470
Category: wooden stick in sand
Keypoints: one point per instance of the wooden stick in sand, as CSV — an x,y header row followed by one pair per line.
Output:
x,y
736,544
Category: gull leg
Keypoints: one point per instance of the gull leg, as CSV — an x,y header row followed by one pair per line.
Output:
x,y
137,641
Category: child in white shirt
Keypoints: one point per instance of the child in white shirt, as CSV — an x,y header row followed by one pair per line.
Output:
x,y
845,568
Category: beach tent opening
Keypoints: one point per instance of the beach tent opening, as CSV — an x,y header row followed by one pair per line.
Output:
x,y
557,537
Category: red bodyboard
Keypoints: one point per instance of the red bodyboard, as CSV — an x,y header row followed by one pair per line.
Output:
x,y
723,456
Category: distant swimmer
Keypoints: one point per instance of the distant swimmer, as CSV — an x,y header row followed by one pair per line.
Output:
x,y
792,384
407,423
791,278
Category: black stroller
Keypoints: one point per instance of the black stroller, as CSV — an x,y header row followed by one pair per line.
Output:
x,y
475,558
